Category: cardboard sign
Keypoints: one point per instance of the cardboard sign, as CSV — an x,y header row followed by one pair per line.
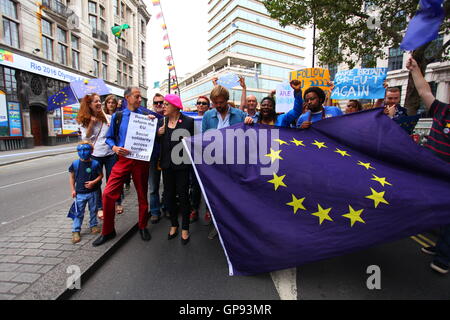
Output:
x,y
140,137
311,77
364,83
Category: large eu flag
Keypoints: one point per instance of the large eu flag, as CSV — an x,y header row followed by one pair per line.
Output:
x,y
62,98
345,184
85,87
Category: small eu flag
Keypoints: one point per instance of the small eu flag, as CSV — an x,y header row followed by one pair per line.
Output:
x,y
85,87
62,98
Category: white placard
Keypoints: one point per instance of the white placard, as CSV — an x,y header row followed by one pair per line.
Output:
x,y
285,97
140,137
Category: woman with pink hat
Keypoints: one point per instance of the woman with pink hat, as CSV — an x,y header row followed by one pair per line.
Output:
x,y
176,176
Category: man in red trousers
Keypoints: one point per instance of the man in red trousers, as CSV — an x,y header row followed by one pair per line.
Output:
x,y
139,170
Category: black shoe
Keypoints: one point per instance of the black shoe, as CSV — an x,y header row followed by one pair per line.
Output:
x,y
185,241
145,235
154,219
429,250
102,239
172,236
439,267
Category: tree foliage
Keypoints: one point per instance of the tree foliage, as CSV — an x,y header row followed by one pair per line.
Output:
x,y
351,25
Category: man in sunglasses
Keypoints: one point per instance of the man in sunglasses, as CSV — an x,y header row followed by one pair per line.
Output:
x,y
154,178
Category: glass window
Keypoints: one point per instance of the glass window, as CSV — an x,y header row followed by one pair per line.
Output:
x,y
92,7
395,61
47,28
93,22
75,60
11,33
62,52
95,53
75,42
102,11
62,35
105,72
116,7
104,56
47,44
9,8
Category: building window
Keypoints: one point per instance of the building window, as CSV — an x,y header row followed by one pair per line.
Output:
x,y
10,23
395,59
8,82
143,50
119,73
143,26
125,74
47,39
433,48
116,7
142,76
62,46
75,52
92,7
130,76
96,65
122,10
104,65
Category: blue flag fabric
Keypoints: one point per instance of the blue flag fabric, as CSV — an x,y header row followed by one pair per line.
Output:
x,y
82,87
424,26
408,123
73,211
345,184
62,98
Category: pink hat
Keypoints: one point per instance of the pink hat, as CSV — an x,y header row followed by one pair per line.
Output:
x,y
174,100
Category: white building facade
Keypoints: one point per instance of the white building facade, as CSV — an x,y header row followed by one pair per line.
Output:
x,y
46,44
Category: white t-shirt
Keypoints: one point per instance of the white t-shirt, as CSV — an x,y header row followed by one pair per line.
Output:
x,y
101,149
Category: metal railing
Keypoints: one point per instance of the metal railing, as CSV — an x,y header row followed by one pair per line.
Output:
x,y
100,35
125,52
13,144
57,7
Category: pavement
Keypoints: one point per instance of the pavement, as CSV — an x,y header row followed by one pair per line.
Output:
x,y
38,258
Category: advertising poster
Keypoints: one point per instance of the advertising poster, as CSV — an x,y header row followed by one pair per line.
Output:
x,y
15,120
3,115
70,125
57,122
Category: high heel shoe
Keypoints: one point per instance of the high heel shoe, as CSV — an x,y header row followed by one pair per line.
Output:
x,y
185,241
172,236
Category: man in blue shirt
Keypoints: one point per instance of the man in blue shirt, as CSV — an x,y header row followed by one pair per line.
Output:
x,y
314,98
139,170
222,115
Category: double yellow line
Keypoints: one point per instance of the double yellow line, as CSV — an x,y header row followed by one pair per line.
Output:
x,y
423,241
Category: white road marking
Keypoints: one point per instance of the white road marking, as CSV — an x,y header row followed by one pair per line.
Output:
x,y
38,211
36,152
286,283
22,182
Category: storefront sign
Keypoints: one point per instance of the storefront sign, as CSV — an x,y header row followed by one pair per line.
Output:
x,y
15,120
70,125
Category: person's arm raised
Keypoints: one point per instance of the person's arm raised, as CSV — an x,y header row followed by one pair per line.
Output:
x,y
422,86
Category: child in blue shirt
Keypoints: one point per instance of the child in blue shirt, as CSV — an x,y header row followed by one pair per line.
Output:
x,y
85,179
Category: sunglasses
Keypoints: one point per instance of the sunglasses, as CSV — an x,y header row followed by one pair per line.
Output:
x,y
158,102
202,103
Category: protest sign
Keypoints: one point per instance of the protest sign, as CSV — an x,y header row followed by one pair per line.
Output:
x,y
285,97
229,80
364,83
311,77
140,137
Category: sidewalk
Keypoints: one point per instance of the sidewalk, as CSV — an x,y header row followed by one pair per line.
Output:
x,y
35,257
15,156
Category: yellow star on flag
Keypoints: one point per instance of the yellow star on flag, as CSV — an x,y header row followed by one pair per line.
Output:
x,y
281,141
365,165
274,155
319,145
277,181
377,197
297,204
381,180
322,214
298,143
354,216
342,153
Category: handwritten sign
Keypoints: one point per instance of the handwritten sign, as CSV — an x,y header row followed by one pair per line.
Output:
x,y
359,84
311,77
285,97
140,137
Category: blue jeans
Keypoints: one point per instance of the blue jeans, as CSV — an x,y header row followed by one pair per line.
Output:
x,y
108,162
154,180
83,199
443,246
